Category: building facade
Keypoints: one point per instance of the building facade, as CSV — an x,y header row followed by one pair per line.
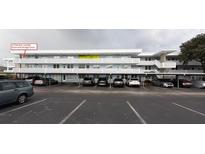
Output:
x,y
74,65
9,64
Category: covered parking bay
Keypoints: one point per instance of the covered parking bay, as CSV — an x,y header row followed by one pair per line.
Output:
x,y
78,78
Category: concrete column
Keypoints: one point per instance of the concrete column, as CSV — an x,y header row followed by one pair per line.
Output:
x,y
78,80
177,78
110,80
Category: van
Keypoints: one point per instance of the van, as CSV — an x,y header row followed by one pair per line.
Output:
x,y
15,91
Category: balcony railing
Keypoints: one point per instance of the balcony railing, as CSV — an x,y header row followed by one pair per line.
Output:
x,y
78,61
185,71
157,63
168,64
77,71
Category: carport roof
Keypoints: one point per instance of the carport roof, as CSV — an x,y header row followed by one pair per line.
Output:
x,y
164,52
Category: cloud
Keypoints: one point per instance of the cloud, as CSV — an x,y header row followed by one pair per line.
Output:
x,y
147,39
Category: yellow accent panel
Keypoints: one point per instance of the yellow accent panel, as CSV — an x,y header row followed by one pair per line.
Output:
x,y
89,57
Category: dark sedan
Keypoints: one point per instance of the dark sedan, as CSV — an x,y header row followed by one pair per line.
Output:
x,y
183,83
102,81
88,81
118,83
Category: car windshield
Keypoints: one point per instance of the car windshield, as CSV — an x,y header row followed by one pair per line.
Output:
x,y
29,78
102,78
134,79
87,78
186,81
118,79
165,80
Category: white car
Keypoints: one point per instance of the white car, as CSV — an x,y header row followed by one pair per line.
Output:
x,y
167,84
198,84
133,82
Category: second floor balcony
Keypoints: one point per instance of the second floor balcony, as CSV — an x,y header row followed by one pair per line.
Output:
x,y
77,61
77,71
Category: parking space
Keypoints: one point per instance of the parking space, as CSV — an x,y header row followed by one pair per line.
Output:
x,y
73,104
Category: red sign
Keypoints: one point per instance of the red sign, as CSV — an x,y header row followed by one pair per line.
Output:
x,y
24,46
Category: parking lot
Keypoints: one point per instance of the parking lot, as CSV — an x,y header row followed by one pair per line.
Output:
x,y
74,104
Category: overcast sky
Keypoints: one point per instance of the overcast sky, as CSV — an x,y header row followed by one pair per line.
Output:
x,y
148,40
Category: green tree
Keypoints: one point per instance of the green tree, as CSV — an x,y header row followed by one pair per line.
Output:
x,y
193,49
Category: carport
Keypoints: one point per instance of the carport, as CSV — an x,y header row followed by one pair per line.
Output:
x,y
177,75
143,76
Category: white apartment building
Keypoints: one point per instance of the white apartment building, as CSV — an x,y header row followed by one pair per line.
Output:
x,y
9,64
73,65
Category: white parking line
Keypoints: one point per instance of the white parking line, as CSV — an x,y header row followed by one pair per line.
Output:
x,y
136,113
71,113
40,101
189,109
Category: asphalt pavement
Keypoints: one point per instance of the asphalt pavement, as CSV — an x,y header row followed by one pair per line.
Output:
x,y
65,104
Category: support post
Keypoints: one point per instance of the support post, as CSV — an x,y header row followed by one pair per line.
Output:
x,y
177,76
110,80
78,80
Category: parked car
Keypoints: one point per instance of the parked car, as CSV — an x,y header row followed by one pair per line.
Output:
x,y
41,81
88,81
102,81
163,83
182,83
198,84
14,91
3,77
118,83
51,81
133,82
32,79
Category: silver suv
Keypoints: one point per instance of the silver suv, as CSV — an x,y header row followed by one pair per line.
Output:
x,y
14,91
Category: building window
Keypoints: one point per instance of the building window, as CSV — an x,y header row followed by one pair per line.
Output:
x,y
64,77
81,66
70,66
87,66
134,66
149,67
56,66
146,67
96,66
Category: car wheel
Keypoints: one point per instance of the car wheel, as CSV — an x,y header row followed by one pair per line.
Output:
x,y
21,99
